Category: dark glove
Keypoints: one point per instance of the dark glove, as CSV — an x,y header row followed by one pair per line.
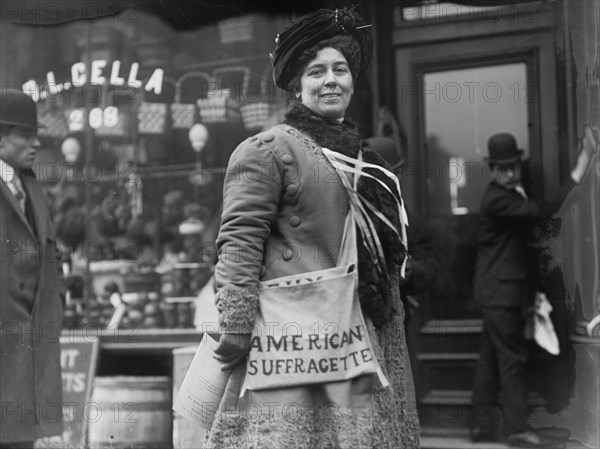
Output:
x,y
232,349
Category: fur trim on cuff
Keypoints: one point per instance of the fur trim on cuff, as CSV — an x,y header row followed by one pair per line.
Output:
x,y
237,308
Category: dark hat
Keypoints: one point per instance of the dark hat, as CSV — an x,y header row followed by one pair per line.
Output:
x,y
18,109
502,149
386,148
312,28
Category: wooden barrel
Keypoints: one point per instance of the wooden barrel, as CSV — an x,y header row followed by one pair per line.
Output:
x,y
131,412
186,434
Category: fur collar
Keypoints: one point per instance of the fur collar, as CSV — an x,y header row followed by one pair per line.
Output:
x,y
341,137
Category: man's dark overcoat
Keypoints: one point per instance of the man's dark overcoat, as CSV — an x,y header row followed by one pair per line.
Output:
x,y
31,293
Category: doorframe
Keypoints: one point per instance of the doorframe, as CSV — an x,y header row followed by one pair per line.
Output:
x,y
482,44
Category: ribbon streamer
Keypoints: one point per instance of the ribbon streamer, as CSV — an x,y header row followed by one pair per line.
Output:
x,y
359,205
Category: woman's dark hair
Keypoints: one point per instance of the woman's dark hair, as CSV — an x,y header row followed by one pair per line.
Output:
x,y
345,44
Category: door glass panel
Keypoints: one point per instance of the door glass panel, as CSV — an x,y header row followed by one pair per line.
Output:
x,y
463,109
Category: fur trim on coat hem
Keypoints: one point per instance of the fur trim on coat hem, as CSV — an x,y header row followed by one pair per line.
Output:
x,y
237,308
391,422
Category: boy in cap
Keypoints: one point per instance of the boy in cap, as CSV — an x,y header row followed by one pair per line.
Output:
x,y
503,283
31,286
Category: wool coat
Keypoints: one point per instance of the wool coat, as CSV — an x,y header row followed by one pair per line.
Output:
x,y
283,213
31,309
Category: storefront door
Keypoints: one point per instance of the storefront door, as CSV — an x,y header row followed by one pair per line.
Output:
x,y
452,95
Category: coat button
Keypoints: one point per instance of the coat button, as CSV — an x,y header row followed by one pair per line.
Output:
x,y
287,158
292,189
268,137
288,253
22,286
295,220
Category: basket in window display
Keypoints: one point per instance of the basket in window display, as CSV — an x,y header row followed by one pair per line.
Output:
x,y
219,107
183,115
54,121
152,117
256,112
254,115
222,105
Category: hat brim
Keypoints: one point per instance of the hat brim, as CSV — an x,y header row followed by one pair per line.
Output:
x,y
508,161
24,125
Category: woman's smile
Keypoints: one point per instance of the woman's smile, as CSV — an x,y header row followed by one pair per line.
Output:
x,y
331,97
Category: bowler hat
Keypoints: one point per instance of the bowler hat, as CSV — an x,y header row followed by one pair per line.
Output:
x,y
502,149
18,109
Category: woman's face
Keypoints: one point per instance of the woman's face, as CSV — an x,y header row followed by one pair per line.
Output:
x,y
326,84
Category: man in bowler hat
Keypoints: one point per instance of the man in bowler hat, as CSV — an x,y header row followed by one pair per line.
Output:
x,y
31,286
505,286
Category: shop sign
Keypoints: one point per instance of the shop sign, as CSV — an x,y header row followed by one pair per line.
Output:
x,y
98,74
98,117
78,357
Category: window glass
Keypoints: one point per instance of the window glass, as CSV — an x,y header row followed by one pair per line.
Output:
x,y
463,108
141,112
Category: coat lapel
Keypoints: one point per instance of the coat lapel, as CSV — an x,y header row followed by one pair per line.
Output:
x,y
9,199
37,204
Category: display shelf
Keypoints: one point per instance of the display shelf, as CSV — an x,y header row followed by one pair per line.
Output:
x,y
138,341
135,352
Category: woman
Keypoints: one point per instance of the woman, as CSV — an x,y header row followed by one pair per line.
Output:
x,y
285,209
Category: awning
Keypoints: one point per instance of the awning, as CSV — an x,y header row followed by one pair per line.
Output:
x,y
180,14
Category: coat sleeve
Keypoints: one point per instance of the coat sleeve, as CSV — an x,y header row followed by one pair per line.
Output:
x,y
251,193
506,204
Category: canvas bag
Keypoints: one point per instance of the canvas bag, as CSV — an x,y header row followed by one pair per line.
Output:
x,y
309,327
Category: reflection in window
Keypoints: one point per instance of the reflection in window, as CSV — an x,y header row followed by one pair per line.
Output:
x,y
463,108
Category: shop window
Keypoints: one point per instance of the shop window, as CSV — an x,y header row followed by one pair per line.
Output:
x,y
135,195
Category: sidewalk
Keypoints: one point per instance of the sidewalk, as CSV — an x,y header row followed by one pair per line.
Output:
x,y
460,440
465,443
